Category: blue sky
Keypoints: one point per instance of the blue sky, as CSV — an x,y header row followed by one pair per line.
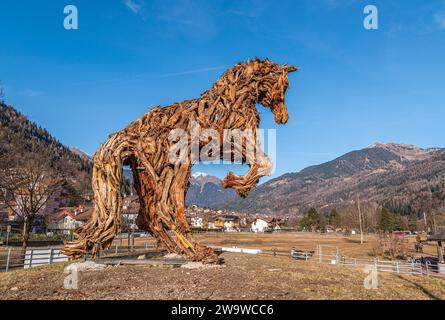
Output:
x,y
356,86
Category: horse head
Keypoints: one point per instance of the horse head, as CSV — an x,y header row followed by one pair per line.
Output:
x,y
272,83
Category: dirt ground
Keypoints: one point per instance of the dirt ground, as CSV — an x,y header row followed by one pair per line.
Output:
x,y
347,245
242,277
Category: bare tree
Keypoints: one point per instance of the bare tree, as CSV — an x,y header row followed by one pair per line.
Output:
x,y
360,218
27,184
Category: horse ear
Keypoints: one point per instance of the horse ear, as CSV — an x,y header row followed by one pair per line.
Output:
x,y
290,69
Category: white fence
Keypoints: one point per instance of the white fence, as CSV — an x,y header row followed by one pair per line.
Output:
x,y
12,258
39,257
15,258
392,266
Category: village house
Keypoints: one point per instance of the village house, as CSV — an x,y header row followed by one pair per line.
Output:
x,y
129,214
227,223
231,223
3,216
276,224
260,226
12,215
211,225
197,222
219,223
66,219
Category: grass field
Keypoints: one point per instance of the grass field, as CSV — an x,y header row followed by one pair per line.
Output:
x,y
242,277
348,245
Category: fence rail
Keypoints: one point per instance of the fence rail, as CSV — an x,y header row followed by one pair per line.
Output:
x,y
396,266
17,258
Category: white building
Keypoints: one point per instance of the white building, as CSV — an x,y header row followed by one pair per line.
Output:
x,y
196,222
211,225
259,225
229,227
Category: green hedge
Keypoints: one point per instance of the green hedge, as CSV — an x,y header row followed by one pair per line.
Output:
x,y
15,237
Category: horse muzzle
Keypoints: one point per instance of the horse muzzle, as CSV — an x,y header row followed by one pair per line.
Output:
x,y
280,113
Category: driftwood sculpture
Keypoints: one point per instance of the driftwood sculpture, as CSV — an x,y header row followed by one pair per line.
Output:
x,y
161,183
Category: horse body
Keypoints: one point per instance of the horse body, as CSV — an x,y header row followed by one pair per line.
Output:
x,y
161,185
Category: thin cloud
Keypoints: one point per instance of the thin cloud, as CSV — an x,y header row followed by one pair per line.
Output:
x,y
439,18
140,77
134,6
191,17
190,72
247,8
30,93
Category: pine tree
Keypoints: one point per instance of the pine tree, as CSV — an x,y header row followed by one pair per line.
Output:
x,y
390,221
386,222
334,218
312,220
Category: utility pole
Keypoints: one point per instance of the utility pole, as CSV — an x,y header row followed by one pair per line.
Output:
x,y
360,218
434,222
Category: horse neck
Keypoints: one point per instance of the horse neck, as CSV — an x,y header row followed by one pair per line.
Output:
x,y
227,113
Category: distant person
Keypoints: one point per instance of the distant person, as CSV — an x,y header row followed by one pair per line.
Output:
x,y
418,238
420,247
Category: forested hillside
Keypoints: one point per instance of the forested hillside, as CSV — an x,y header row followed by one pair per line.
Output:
x,y
20,137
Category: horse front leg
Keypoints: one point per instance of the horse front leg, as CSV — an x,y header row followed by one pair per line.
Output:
x,y
260,167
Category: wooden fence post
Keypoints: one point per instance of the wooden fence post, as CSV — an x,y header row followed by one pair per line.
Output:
x,y
30,257
51,252
8,259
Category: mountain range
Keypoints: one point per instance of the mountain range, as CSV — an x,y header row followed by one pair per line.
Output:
x,y
206,191
405,178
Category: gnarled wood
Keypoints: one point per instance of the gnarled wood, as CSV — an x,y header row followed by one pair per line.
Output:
x,y
161,185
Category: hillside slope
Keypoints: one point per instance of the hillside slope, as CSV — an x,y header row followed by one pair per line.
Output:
x,y
405,178
207,191
20,136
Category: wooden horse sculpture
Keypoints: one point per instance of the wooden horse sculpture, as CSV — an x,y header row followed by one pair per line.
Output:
x,y
161,183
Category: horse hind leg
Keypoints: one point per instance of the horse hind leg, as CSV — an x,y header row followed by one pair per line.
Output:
x,y
104,223
172,207
148,218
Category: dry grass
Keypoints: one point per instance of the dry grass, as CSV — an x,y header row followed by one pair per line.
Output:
x,y
243,277
348,245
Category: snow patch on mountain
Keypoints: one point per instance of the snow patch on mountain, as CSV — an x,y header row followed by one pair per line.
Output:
x,y
199,175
